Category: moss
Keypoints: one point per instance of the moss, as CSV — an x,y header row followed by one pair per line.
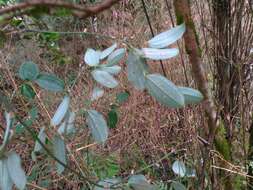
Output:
x,y
221,143
190,24
179,17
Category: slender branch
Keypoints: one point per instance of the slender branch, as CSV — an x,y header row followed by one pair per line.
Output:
x,y
78,10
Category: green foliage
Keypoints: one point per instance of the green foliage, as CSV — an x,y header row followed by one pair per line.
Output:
x,y
221,142
112,117
179,168
11,172
59,153
15,170
139,182
42,137
167,38
104,78
28,71
136,70
122,97
107,51
27,91
97,125
97,93
50,82
104,68
91,57
5,180
191,96
61,111
164,91
115,57
159,54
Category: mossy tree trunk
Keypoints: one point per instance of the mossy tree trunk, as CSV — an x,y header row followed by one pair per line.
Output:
x,y
192,46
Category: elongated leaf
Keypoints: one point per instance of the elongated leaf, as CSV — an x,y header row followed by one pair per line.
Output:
x,y
136,70
61,111
27,91
167,38
115,57
104,78
164,91
139,182
191,96
97,93
59,153
91,57
108,51
112,70
15,170
159,54
122,97
179,168
8,128
42,136
97,125
28,71
178,186
5,179
67,126
50,82
112,118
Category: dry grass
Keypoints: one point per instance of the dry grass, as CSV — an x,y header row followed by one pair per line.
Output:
x,y
144,125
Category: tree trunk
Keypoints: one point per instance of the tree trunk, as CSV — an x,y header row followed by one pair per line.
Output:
x,y
183,14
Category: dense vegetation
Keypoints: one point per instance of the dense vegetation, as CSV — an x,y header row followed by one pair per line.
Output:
x,y
142,95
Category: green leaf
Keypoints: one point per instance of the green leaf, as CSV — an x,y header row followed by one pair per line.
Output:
x,y
67,126
114,70
59,153
139,182
97,93
164,91
179,168
167,38
91,57
178,186
27,91
115,57
122,97
108,51
61,111
5,179
112,118
97,125
8,129
15,170
136,70
159,54
28,71
50,82
42,136
191,96
104,78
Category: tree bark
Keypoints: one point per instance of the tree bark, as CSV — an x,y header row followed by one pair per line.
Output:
x,y
183,14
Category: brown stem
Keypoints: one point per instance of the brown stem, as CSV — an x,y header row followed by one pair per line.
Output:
x,y
183,13
81,11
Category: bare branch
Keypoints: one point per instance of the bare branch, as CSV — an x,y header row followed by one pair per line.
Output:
x,y
78,10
